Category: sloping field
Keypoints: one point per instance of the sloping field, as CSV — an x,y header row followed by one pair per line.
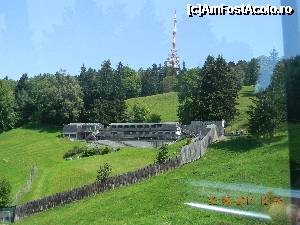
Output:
x,y
22,148
164,105
160,200
244,101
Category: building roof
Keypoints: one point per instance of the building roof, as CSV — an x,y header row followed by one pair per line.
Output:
x,y
167,123
76,127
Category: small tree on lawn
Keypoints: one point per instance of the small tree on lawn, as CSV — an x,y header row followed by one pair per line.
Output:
x,y
162,154
5,190
103,172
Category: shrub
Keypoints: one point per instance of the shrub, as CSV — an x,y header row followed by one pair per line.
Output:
x,y
154,118
96,151
105,150
103,172
162,154
138,114
188,141
75,151
86,152
5,190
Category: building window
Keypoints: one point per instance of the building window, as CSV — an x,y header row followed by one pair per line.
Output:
x,y
146,126
139,126
153,126
120,126
113,126
132,126
126,126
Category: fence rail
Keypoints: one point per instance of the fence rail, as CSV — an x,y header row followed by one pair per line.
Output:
x,y
28,184
188,153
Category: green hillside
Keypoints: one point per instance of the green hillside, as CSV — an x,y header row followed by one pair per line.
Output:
x,y
22,148
160,200
164,105
244,101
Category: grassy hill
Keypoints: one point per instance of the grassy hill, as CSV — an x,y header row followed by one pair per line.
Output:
x,y
22,148
160,200
244,101
164,105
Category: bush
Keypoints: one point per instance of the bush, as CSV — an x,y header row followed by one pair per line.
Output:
x,y
188,141
103,172
154,118
5,190
105,150
96,151
162,154
75,151
89,152
86,152
138,114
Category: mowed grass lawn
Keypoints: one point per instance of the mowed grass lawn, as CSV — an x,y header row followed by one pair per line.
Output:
x,y
22,148
165,105
160,199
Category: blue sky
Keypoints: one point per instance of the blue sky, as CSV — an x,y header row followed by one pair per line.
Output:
x,y
38,36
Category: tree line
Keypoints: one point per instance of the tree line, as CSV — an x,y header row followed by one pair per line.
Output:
x,y
210,93
98,95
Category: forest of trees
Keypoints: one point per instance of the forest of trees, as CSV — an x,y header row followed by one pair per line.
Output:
x,y
98,95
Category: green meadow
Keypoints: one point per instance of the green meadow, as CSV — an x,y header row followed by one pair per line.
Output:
x,y
161,199
42,146
244,161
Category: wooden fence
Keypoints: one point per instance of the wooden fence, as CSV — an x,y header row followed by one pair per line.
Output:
x,y
189,153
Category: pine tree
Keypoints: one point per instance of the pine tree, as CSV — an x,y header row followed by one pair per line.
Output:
x,y
24,103
8,117
269,109
108,98
252,72
216,95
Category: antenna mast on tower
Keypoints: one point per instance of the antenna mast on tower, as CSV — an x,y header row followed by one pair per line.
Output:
x,y
173,59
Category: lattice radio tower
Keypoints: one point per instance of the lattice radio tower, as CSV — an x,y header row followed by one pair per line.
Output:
x,y
173,59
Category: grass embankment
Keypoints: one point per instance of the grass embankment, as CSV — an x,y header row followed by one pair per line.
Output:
x,y
160,200
164,105
22,148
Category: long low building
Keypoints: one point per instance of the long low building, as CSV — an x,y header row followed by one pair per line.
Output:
x,y
80,131
141,131
138,131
